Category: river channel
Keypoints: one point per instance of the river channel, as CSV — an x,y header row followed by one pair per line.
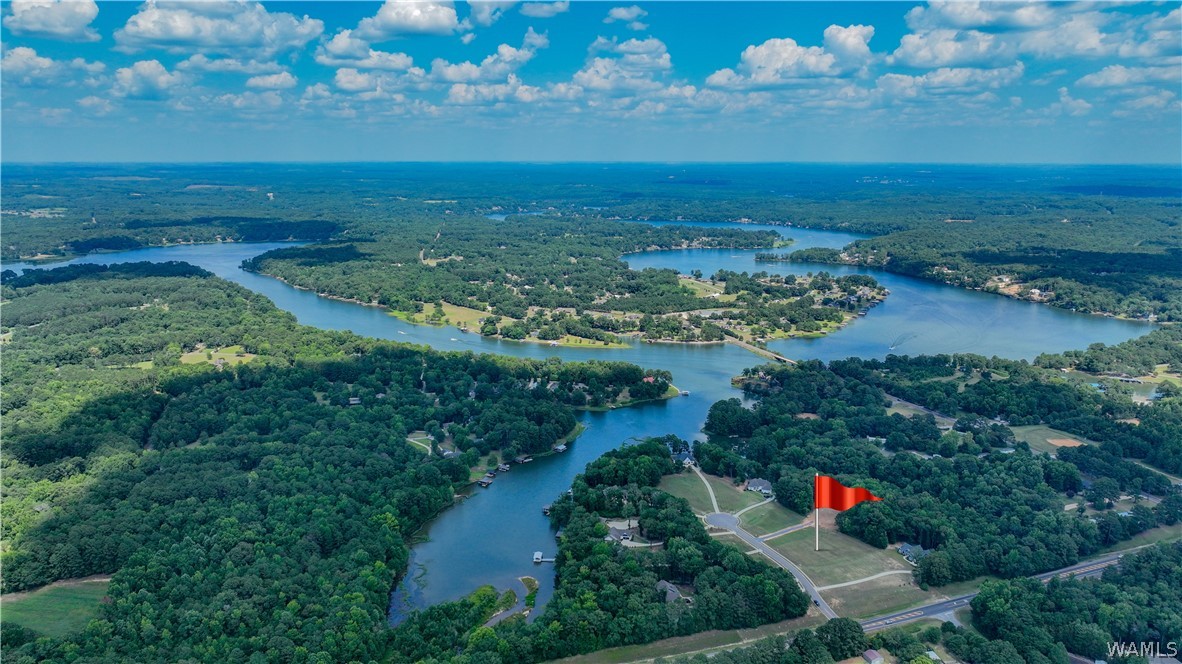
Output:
x,y
490,537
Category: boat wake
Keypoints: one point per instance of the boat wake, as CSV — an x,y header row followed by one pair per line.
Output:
x,y
902,339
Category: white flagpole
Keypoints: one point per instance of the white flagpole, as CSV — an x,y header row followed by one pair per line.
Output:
x,y
817,510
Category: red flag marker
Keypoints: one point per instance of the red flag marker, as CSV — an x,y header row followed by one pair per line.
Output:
x,y
828,492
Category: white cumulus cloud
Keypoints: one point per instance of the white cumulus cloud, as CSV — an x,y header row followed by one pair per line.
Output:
x,y
23,66
146,79
216,27
630,66
628,15
497,66
487,12
280,81
409,17
346,50
201,62
1117,76
96,105
545,9
782,61
68,20
946,80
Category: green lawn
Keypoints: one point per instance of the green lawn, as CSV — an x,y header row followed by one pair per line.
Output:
x,y
695,643
840,559
730,497
883,595
229,354
1151,536
56,610
1039,437
687,485
903,409
769,518
733,540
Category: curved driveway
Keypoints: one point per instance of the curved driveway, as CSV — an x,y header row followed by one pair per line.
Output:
x,y
731,522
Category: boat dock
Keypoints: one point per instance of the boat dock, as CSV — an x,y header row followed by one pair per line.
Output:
x,y
538,559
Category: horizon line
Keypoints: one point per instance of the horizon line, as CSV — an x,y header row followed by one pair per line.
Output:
x,y
531,162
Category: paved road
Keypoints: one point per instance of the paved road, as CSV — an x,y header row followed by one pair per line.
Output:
x,y
731,522
1090,568
751,507
865,579
709,489
807,523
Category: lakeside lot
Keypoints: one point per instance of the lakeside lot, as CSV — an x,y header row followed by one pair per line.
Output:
x,y
689,486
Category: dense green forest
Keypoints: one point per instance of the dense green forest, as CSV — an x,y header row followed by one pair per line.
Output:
x,y
607,594
1016,622
1020,394
246,509
984,507
547,278
1135,357
1101,239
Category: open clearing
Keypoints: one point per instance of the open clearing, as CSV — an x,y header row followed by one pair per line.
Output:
x,y
687,485
730,497
769,518
882,595
841,558
695,643
56,610
228,355
708,290
1045,439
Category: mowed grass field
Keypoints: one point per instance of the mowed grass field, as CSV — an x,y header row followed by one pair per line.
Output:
x,y
687,485
878,596
769,518
56,610
1039,438
229,354
730,497
703,642
841,558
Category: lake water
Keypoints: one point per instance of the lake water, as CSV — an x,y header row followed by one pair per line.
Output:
x,y
491,537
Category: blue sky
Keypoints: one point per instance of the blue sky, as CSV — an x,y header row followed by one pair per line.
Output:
x,y
592,81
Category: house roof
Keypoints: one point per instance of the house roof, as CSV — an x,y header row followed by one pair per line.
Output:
x,y
871,655
672,592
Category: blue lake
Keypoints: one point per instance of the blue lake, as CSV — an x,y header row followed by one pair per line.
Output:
x,y
491,537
